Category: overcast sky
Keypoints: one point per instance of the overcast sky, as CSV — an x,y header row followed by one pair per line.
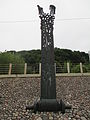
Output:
x,y
20,24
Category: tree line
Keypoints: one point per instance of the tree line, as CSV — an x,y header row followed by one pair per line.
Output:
x,y
34,56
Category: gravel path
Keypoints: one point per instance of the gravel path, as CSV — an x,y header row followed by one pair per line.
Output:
x,y
16,93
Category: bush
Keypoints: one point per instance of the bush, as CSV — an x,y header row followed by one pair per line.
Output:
x,y
76,69
16,60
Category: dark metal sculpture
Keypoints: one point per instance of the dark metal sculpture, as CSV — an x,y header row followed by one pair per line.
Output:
x,y
48,100
48,82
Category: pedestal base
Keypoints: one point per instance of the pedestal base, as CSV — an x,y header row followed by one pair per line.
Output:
x,y
49,105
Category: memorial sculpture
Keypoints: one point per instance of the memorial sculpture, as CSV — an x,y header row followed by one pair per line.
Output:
x,y
47,102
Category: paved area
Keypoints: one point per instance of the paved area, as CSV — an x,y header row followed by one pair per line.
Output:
x,y
16,93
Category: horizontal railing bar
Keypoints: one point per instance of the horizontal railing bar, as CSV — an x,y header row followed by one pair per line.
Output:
x,y
38,75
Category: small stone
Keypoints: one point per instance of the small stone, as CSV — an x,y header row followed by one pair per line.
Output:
x,y
79,113
26,113
24,110
77,116
9,118
39,118
69,118
44,117
65,118
73,119
18,117
27,116
57,116
83,118
50,118
75,111
16,114
5,115
13,118
88,112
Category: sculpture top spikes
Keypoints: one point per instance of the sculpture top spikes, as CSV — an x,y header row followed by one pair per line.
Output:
x,y
51,7
40,9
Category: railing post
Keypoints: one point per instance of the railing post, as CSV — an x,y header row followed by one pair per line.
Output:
x,y
10,69
40,69
81,68
25,69
68,67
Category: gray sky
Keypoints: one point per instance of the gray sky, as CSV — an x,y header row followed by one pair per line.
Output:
x,y
20,24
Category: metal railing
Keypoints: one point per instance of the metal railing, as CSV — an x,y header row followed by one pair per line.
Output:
x,y
61,68
36,68
4,68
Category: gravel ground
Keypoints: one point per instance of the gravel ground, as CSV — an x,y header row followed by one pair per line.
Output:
x,y
16,93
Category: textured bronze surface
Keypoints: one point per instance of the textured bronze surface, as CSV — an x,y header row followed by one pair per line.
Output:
x,y
48,82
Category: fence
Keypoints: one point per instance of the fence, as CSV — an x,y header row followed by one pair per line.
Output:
x,y
36,68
